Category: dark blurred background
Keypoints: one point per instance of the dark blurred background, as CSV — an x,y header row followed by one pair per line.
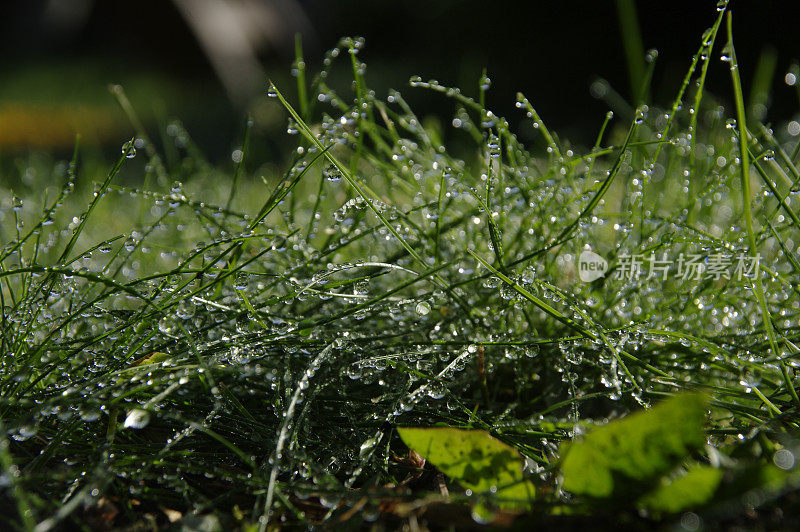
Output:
x,y
206,61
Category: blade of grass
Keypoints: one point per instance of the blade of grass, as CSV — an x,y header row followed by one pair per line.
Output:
x,y
240,163
744,169
633,47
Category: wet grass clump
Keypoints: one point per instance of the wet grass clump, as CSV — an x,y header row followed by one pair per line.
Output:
x,y
237,352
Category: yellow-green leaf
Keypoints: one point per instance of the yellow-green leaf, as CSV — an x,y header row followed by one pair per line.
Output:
x,y
618,458
692,490
156,357
475,460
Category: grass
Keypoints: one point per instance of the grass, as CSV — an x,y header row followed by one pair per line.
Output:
x,y
237,350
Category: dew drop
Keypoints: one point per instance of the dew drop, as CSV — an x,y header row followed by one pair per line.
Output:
x,y
750,377
137,419
529,275
25,432
185,309
332,173
89,414
129,150
366,447
242,281
784,459
168,326
727,54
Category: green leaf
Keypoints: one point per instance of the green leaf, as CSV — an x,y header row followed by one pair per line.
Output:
x,y
156,357
720,487
763,480
695,488
617,459
475,460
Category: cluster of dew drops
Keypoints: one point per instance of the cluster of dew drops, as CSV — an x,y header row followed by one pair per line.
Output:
x,y
161,334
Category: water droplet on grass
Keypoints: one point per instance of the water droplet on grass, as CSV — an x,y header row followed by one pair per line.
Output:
x,y
784,459
507,292
129,150
529,275
492,282
242,326
89,414
366,447
25,432
168,326
750,377
137,419
423,308
241,282
727,54
487,120
329,501
332,173
185,309
279,243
